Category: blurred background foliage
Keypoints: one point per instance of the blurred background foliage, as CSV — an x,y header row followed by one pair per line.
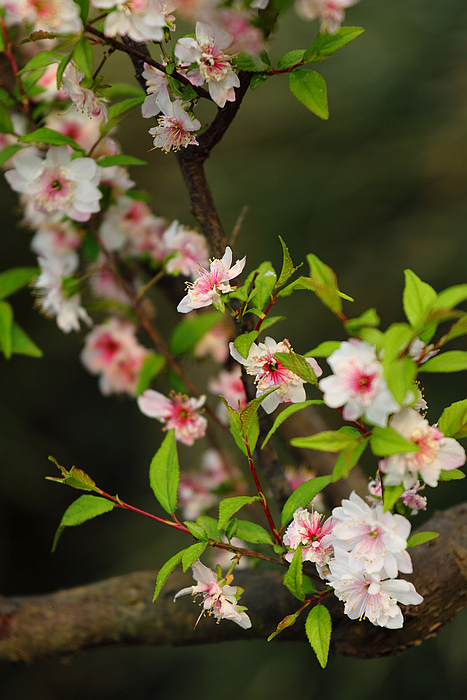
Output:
x,y
379,187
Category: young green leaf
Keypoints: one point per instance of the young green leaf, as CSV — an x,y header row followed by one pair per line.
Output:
x,y
421,538
298,365
451,297
76,478
348,459
453,420
324,284
327,441
196,530
290,410
452,361
251,532
400,376
8,152
367,318
302,496
249,63
310,89
288,267
293,578
324,349
21,344
326,44
458,329
16,278
418,298
391,496
6,321
151,367
291,58
82,55
451,475
318,630
243,342
190,332
83,509
209,525
248,413
51,137
192,554
120,159
387,441
288,621
164,473
165,571
230,506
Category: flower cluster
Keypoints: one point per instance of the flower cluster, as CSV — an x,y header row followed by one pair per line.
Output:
x,y
178,412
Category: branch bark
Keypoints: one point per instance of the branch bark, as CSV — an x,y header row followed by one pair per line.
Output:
x,y
119,611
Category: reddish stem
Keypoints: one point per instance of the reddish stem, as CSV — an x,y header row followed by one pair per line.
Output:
x,y
126,506
268,308
262,496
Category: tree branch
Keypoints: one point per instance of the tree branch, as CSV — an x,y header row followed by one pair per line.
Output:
x,y
119,611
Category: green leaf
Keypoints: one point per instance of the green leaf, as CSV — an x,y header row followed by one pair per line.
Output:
x,y
327,44
400,375
84,9
6,125
387,441
120,159
326,441
83,509
302,496
451,475
8,152
119,108
298,365
165,571
229,506
348,459
396,340
118,91
290,410
291,58
164,473
210,526
21,343
324,349
61,68
418,298
457,329
76,478
288,621
243,343
6,324
51,137
309,88
257,80
82,55
248,413
324,284
192,554
251,532
265,282
318,629
190,332
151,367
41,60
249,63
293,578
452,361
453,420
271,321
196,530
451,297
367,318
421,538
391,496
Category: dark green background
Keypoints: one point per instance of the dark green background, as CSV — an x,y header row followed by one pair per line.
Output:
x,y
379,187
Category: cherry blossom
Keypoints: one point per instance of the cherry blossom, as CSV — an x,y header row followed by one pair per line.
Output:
x,y
178,412
374,539
246,37
358,384
230,386
76,125
56,236
215,343
208,287
409,497
195,494
131,223
329,12
112,351
371,595
436,453
57,183
57,16
187,249
51,297
218,598
83,98
270,373
48,84
155,79
175,126
314,533
141,20
215,66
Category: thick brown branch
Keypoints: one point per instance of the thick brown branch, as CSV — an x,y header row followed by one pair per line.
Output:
x,y
119,611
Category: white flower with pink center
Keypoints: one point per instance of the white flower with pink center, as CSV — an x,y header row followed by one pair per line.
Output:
x,y
230,386
77,126
215,343
175,126
371,595
131,223
270,373
218,598
409,497
178,412
53,300
373,538
246,37
58,183
112,351
155,79
209,285
329,12
187,249
84,99
56,237
215,66
57,16
358,384
141,20
436,453
314,533
195,494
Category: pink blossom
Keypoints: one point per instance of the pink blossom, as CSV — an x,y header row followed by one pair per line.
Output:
x,y
374,539
195,494
270,373
371,595
187,250
215,343
112,351
230,386
314,533
57,183
436,453
330,12
84,99
218,598
104,283
57,16
208,287
175,126
76,125
178,412
215,66
409,497
358,384
155,79
420,351
246,37
56,237
141,20
48,83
